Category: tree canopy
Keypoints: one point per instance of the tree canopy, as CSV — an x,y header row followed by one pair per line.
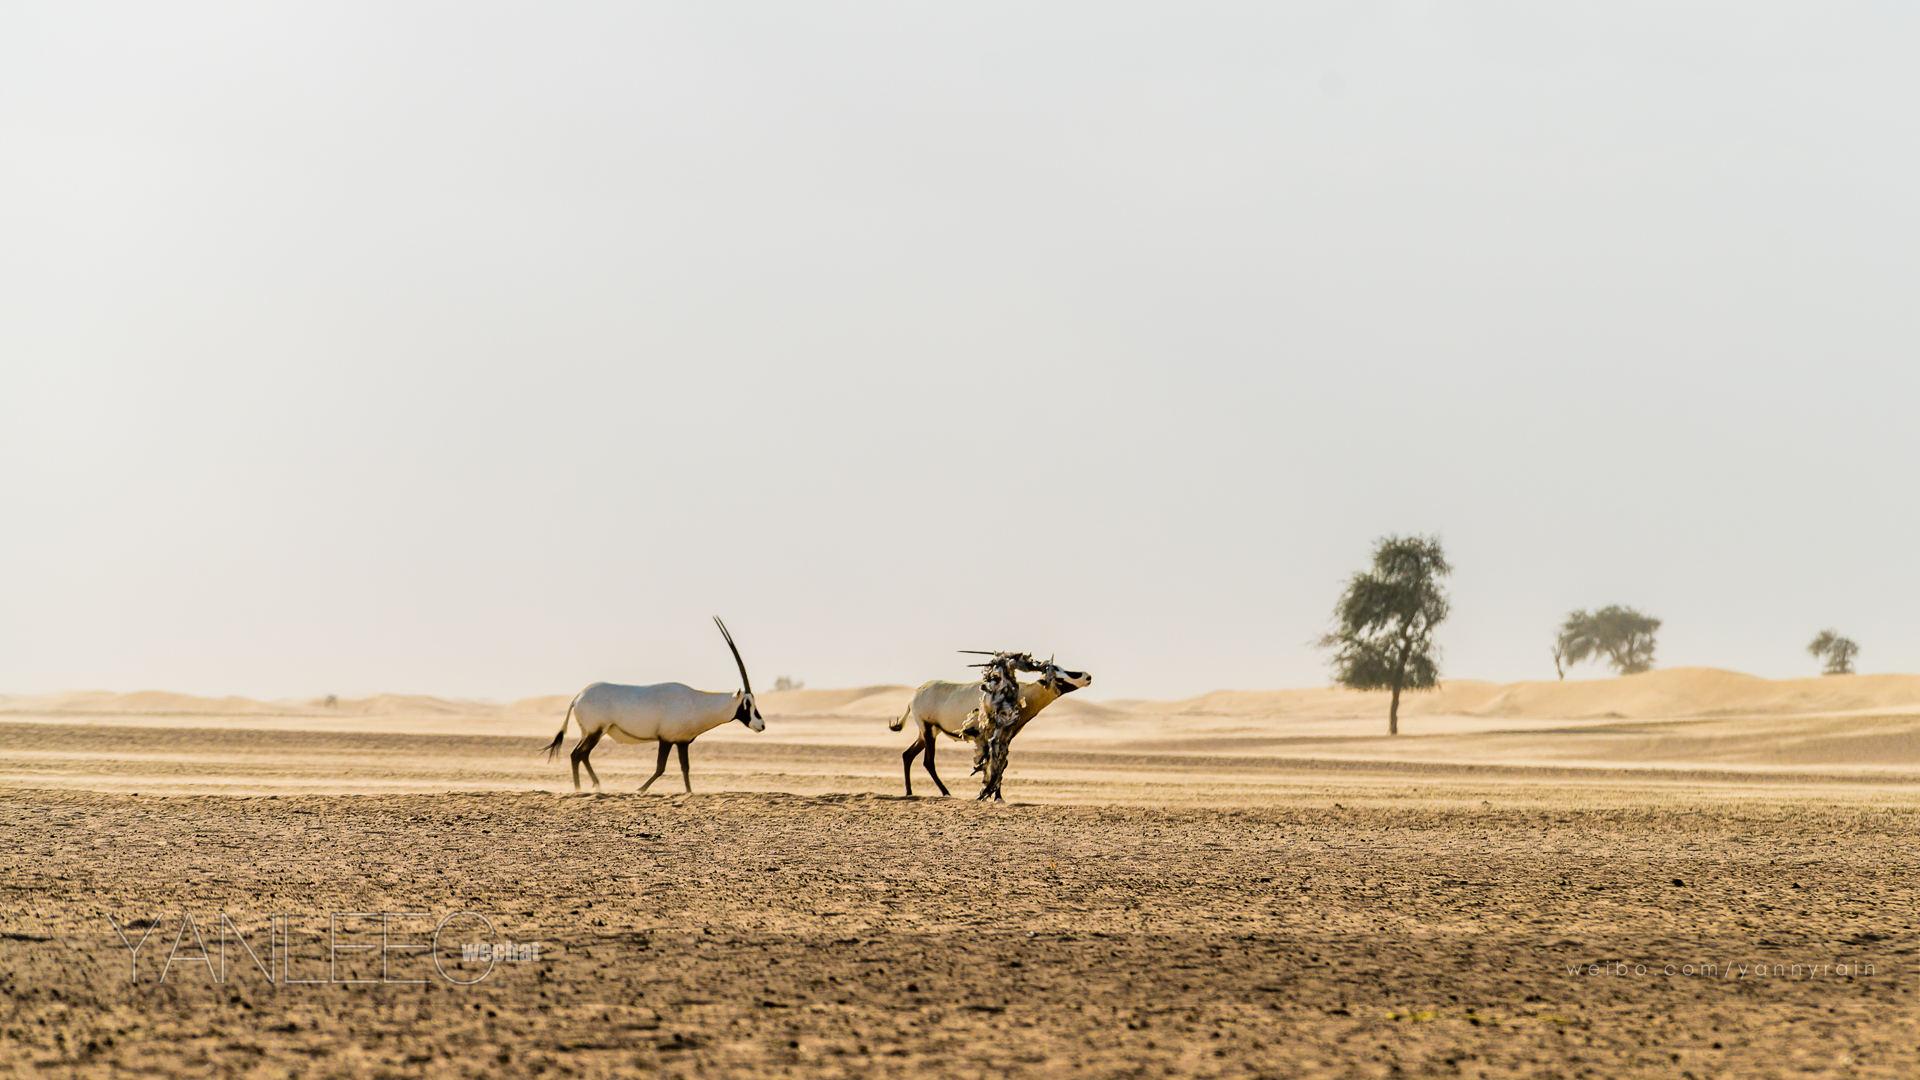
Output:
x,y
1837,652
1620,635
1383,624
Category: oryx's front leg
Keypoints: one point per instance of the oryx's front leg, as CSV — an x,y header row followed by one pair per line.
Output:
x,y
665,749
579,755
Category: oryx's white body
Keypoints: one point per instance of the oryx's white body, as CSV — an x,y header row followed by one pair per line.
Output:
x,y
665,712
947,707
943,706
671,714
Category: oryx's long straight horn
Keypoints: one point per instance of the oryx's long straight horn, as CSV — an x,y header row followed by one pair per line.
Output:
x,y
745,683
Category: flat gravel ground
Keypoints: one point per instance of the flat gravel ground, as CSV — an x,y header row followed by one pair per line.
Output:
x,y
1443,932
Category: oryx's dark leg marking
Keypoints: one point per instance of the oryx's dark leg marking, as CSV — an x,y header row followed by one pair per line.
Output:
x,y
580,751
665,749
906,759
685,776
594,776
927,736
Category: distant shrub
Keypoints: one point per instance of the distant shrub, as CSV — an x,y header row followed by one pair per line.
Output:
x,y
1837,652
1622,636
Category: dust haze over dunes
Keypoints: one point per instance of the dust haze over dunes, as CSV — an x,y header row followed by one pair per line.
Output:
x,y
1686,719
1674,693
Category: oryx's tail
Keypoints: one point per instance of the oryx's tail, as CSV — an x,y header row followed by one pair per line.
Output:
x,y
553,748
901,721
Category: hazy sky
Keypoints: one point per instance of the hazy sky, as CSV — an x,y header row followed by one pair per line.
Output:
x,y
486,350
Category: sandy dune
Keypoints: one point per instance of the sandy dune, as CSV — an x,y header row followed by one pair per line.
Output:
x,y
1682,720
1676,693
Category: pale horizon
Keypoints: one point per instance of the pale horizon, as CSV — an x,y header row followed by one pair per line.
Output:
x,y
486,353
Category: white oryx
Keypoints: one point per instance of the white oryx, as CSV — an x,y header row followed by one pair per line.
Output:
x,y
671,714
946,708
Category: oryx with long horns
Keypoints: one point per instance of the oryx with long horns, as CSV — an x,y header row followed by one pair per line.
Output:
x,y
953,710
671,714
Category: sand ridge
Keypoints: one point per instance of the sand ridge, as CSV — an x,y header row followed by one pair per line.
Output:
x,y
1680,719
1671,693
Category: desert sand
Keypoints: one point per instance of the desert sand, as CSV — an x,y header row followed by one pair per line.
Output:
x,y
1687,873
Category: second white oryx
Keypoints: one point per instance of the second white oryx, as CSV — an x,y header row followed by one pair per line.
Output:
x,y
671,714
944,707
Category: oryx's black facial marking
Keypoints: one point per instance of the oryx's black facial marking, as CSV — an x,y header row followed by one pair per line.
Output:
x,y
748,711
1066,682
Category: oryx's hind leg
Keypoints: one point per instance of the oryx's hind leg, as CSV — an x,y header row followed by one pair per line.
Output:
x,y
927,736
665,749
580,751
686,777
906,759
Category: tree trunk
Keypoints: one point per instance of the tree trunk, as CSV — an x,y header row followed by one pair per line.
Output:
x,y
1399,680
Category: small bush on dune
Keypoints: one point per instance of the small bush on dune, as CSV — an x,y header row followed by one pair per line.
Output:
x,y
1621,636
1835,651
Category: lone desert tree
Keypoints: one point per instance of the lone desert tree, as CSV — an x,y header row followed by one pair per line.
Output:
x,y
1383,624
1837,652
1620,634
